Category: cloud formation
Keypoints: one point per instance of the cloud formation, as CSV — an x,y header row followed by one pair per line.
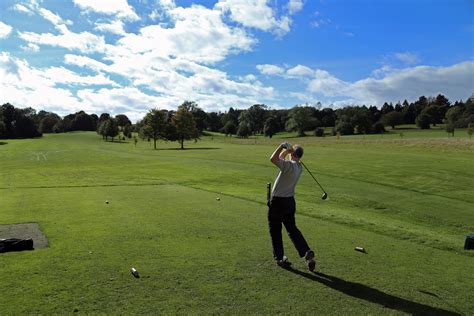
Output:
x,y
390,85
118,8
5,30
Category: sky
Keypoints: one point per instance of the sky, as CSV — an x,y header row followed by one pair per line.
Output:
x,y
129,56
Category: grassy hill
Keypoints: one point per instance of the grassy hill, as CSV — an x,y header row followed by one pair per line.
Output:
x,y
408,199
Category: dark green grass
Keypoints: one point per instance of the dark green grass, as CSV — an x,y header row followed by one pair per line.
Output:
x,y
408,202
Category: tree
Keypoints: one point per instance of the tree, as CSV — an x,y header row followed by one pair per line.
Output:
x,y
450,128
229,128
387,108
392,118
328,117
122,120
213,122
3,129
244,129
300,120
270,127
111,128
257,114
127,131
200,117
83,122
47,123
423,120
185,125
154,125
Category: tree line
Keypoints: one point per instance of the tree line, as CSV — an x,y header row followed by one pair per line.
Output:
x,y
189,121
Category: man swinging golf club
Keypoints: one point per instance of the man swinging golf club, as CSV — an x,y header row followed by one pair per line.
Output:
x,y
282,206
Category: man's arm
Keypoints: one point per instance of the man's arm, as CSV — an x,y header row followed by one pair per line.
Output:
x,y
279,154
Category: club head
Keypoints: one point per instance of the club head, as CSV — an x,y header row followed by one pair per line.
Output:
x,y
325,196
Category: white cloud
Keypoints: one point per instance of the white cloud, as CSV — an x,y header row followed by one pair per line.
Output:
x,y
326,84
295,6
118,8
300,71
199,34
53,18
456,82
23,86
5,30
255,14
23,9
407,58
85,41
31,47
83,61
114,27
268,69
66,76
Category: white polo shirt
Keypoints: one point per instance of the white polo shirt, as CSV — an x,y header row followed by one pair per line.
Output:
x,y
287,178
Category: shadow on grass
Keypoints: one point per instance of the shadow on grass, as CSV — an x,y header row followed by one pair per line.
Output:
x,y
369,294
3,143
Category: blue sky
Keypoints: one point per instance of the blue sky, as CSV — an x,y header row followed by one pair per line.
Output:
x,y
120,56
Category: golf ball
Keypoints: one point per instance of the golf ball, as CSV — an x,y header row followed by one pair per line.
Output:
x,y
106,202
218,199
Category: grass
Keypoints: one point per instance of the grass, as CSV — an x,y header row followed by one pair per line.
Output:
x,y
407,200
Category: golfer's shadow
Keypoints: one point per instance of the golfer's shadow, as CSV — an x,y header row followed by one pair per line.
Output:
x,y
369,294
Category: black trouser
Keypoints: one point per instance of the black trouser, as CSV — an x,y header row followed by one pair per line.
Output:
x,y
282,210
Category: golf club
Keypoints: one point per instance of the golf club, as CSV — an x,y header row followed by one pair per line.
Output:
x,y
325,195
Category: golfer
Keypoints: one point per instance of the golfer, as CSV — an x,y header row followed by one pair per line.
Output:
x,y
282,206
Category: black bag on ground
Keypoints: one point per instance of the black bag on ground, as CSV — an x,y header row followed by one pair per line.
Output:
x,y
15,244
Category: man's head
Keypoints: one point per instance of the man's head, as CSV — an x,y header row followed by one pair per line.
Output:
x,y
297,152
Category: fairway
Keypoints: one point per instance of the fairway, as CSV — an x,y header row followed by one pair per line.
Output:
x,y
409,201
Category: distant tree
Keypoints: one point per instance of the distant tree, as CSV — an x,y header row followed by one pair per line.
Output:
x,y
231,115
47,123
450,128
83,122
25,127
319,132
122,120
127,131
213,122
246,123
244,129
409,113
423,120
357,117
343,127
387,108
111,128
185,125
154,125
300,119
8,113
18,123
392,119
375,114
398,107
230,128
378,128
200,117
257,114
59,127
453,116
270,127
328,117
3,129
